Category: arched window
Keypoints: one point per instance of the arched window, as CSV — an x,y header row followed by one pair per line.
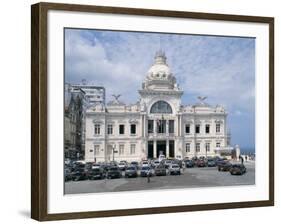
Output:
x,y
161,107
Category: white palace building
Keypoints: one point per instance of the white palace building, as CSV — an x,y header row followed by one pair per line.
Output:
x,y
157,124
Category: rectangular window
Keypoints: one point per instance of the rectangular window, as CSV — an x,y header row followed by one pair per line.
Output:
x,y
197,147
187,147
207,147
97,149
218,144
171,126
218,128
207,128
121,129
150,126
197,129
161,126
133,149
121,149
97,129
133,129
110,129
187,128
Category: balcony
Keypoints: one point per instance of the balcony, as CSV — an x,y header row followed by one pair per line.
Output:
x,y
160,135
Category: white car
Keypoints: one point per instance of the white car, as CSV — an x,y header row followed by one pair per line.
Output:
x,y
156,163
122,166
145,164
174,169
95,166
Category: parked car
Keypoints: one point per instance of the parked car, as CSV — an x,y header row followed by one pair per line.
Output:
x,y
201,163
160,171
189,163
156,163
174,169
105,166
237,169
218,161
167,163
145,171
131,171
224,166
96,173
68,176
114,172
79,174
122,166
135,164
178,162
145,163
211,163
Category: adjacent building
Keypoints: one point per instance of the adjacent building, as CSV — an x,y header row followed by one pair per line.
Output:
x,y
78,97
157,124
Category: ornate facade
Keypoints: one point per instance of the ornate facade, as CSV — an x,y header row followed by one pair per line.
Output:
x,y
157,124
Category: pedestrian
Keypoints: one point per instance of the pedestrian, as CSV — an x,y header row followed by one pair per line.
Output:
x,y
148,176
242,160
246,158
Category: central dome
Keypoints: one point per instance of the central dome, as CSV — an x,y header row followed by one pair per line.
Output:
x,y
159,76
160,69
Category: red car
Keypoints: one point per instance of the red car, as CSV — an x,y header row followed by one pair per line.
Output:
x,y
200,163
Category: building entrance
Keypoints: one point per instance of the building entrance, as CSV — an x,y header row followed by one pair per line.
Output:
x,y
150,150
161,148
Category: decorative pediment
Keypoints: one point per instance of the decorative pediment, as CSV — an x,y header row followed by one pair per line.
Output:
x,y
133,121
98,121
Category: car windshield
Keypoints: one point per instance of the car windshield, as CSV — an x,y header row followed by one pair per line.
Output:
x,y
175,166
113,169
145,168
131,168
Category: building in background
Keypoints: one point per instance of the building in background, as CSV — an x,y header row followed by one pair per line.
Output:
x,y
158,124
78,97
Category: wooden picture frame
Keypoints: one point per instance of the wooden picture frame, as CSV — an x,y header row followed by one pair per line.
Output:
x,y
39,108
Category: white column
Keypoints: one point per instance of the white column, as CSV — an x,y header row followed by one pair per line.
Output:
x,y
154,148
144,126
167,148
154,127
167,127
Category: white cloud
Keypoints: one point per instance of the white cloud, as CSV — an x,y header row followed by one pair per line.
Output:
x,y
208,66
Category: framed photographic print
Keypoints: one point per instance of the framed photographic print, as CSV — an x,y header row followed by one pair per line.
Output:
x,y
139,111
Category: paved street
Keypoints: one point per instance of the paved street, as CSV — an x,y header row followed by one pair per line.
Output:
x,y
191,178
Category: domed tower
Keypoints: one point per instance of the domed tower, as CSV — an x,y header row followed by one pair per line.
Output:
x,y
160,84
159,76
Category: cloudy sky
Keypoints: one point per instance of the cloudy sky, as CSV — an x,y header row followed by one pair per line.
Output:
x,y
221,68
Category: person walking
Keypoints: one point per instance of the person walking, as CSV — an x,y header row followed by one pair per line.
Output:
x,y
242,160
148,176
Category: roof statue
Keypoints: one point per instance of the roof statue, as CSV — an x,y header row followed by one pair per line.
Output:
x,y
116,100
116,97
